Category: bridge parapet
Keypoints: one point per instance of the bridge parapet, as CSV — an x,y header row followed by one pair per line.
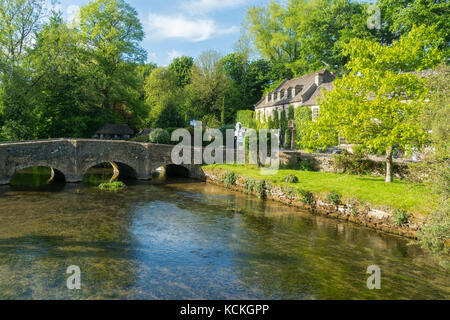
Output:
x,y
74,157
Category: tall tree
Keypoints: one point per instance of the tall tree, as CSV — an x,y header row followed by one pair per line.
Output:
x,y
306,35
164,98
377,103
20,20
182,67
209,85
110,33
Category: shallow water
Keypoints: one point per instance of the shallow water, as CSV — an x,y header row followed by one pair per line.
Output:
x,y
189,240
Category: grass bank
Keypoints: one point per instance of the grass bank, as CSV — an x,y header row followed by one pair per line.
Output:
x,y
416,199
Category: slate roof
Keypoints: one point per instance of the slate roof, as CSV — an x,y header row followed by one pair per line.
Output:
x,y
308,90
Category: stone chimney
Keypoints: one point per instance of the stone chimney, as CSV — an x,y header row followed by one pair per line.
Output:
x,y
319,78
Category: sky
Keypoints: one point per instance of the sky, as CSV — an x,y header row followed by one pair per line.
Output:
x,y
175,28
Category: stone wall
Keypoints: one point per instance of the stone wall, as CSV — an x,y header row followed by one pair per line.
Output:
x,y
326,163
74,157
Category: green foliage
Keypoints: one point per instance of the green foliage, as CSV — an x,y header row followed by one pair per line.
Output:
x,y
159,136
307,197
291,113
301,34
435,235
260,189
182,67
307,165
303,120
208,88
247,118
355,164
417,199
230,179
112,186
335,198
373,96
400,217
249,185
291,179
164,97
62,81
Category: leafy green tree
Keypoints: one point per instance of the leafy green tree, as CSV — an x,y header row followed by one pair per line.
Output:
x,y
305,35
399,17
164,97
209,85
377,103
110,34
182,67
19,22
435,235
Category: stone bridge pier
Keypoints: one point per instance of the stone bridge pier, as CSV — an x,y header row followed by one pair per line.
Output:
x,y
74,157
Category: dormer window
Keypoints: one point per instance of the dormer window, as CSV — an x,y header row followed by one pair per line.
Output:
x,y
281,94
289,92
298,89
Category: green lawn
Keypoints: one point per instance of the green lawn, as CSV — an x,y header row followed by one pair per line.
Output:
x,y
416,199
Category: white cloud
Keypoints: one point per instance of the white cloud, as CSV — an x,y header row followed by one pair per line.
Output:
x,y
205,6
178,26
174,54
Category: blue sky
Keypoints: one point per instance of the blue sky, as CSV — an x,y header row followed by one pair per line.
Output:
x,y
184,27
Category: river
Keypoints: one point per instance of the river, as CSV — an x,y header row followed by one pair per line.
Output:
x,y
184,239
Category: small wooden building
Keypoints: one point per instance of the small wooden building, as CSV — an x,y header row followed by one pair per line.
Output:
x,y
114,132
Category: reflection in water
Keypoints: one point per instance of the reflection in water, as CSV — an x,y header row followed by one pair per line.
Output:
x,y
190,240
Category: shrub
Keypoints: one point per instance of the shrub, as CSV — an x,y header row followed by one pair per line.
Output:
x,y
159,136
249,185
335,198
357,164
307,165
400,217
291,179
112,186
260,189
435,235
306,197
230,179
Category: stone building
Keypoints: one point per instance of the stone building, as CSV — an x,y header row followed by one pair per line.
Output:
x,y
114,132
305,91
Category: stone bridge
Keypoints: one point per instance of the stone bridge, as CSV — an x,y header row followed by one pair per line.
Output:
x,y
72,158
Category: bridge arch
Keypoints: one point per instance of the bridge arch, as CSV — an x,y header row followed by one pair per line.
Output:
x,y
125,171
56,174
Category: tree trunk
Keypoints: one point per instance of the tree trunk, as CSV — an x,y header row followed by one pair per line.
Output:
x,y
389,165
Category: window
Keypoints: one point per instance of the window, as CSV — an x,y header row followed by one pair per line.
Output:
x,y
315,113
298,89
